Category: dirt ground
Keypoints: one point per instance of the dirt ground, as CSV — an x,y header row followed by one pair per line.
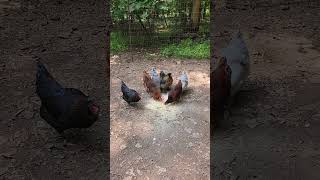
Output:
x,y
156,141
69,37
276,118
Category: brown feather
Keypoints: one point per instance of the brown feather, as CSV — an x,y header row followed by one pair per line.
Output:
x,y
151,87
175,94
221,79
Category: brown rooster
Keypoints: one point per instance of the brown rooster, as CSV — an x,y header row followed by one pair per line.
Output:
x,y
166,81
175,93
221,88
151,87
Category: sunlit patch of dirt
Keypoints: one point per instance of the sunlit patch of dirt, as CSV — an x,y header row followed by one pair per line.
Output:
x,y
161,131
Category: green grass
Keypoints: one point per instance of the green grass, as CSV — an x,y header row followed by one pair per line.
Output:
x,y
118,42
187,49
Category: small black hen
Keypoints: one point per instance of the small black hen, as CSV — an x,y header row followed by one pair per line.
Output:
x,y
63,108
129,95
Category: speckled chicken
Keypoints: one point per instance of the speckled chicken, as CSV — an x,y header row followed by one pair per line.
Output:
x,y
175,93
221,89
151,87
166,81
237,56
184,80
129,95
154,76
63,108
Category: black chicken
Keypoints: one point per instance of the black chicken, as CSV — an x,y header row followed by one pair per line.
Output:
x,y
129,95
63,108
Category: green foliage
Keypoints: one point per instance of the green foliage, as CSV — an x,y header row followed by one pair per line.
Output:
x,y
119,10
153,15
187,49
118,42
141,9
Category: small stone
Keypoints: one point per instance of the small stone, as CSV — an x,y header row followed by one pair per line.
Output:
x,y
195,135
138,145
139,172
60,156
251,123
161,170
188,130
130,172
123,146
282,121
307,125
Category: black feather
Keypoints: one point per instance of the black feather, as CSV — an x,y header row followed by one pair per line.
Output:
x,y
46,84
62,108
129,95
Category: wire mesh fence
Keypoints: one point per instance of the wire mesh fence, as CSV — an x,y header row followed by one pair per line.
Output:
x,y
152,24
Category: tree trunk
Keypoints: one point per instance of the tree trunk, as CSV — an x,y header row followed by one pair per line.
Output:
x,y
196,15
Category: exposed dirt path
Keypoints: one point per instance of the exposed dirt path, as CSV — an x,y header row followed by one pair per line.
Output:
x,y
275,133
69,37
153,140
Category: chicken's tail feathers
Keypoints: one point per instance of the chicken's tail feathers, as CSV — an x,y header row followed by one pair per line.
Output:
x,y
40,66
42,70
123,85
